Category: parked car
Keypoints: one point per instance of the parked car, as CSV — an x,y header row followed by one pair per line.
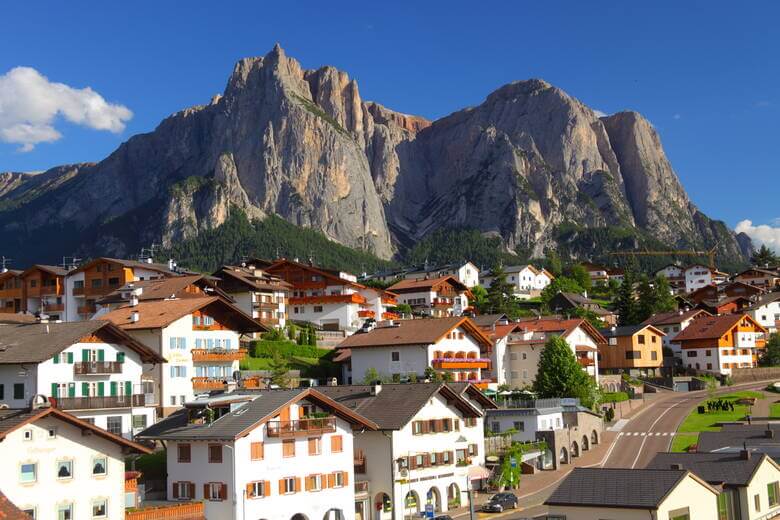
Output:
x,y
442,517
499,502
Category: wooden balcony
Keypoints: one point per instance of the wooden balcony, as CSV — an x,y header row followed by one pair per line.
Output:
x,y
585,361
205,384
268,321
86,309
366,314
7,310
77,291
96,368
99,402
361,487
442,302
459,363
268,305
201,355
301,427
390,316
359,462
11,293
327,298
181,511
54,307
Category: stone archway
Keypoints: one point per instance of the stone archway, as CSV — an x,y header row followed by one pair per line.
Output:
x,y
411,504
564,456
585,443
299,516
333,514
594,437
384,505
575,449
453,496
433,497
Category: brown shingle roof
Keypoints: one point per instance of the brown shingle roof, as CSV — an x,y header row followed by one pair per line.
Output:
x,y
37,342
51,269
9,511
414,332
243,275
157,314
423,283
162,288
712,327
672,317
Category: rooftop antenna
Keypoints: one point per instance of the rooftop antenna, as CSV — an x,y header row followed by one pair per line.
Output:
x,y
70,262
4,263
147,253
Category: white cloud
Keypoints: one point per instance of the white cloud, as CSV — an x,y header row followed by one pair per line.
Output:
x,y
30,104
768,235
677,117
599,113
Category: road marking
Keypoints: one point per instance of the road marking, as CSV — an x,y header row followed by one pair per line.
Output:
x,y
641,446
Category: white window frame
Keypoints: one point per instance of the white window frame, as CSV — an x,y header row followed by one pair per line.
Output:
x,y
105,466
34,472
289,485
59,465
96,502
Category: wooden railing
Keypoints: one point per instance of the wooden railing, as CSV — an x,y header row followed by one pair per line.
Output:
x,y
359,462
83,368
54,307
181,511
301,427
202,354
99,402
361,487
207,383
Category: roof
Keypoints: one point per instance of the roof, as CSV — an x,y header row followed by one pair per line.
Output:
x,y
332,274
616,487
464,388
673,317
414,332
157,314
765,299
712,327
11,420
730,469
396,404
161,289
426,283
133,264
51,269
258,408
9,511
488,320
629,330
765,272
247,277
564,326
37,342
734,437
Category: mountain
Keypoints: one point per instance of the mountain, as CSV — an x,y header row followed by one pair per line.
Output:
x,y
531,166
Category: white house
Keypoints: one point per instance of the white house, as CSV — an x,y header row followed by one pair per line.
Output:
x,y
525,422
696,277
766,311
466,273
429,448
407,347
92,369
56,466
257,293
672,323
199,338
271,454
527,280
330,299
435,297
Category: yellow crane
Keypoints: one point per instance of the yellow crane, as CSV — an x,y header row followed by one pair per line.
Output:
x,y
677,252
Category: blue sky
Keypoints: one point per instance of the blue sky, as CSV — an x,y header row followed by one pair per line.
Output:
x,y
705,74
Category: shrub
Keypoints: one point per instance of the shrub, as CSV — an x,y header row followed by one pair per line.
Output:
x,y
265,349
614,397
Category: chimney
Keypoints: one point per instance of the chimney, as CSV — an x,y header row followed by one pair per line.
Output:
x,y
676,465
744,454
171,264
376,387
133,300
135,316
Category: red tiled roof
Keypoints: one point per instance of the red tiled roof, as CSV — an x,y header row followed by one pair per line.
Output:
x,y
414,332
425,283
9,511
669,318
712,327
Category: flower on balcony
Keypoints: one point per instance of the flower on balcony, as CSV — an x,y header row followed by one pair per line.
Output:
x,y
460,360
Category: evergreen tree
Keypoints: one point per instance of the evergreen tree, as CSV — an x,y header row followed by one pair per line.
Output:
x,y
552,262
764,257
580,274
559,374
664,299
771,355
279,368
499,294
647,302
625,304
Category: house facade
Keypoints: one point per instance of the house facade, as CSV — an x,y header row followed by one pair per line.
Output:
x,y
11,291
92,369
273,454
258,294
697,276
43,289
434,297
634,349
59,466
199,338
452,345
672,323
528,281
719,344
764,278
466,273
766,311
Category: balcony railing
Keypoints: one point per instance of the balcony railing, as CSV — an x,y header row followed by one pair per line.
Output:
x,y
90,368
207,383
268,321
54,307
301,427
455,363
202,354
360,462
361,487
585,362
327,298
266,305
99,402
442,302
78,291
366,314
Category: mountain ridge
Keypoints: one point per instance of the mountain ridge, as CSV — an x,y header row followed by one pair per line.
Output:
x,y
303,145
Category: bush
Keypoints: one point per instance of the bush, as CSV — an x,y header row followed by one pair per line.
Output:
x,y
614,397
609,414
265,349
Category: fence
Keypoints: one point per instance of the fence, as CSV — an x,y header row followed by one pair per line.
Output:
x,y
183,511
746,375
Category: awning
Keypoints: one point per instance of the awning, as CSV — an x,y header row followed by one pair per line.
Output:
x,y
478,473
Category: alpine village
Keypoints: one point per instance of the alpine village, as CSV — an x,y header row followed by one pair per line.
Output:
x,y
303,329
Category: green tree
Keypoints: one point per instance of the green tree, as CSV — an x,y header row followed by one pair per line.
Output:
x,y
279,368
646,303
625,304
580,274
499,294
479,297
560,284
764,257
771,355
559,374
432,375
552,262
404,309
371,376
664,299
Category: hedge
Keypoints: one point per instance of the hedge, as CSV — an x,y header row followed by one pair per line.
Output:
x,y
614,397
265,349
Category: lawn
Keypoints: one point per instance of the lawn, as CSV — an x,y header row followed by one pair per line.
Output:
x,y
696,422
254,363
682,441
774,410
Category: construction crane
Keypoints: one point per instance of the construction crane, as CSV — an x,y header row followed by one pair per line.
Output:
x,y
677,252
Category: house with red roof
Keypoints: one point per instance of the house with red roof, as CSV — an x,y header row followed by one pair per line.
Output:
x,y
672,323
719,344
435,297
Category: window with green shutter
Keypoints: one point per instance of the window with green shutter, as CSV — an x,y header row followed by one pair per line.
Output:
x,y
773,490
56,358
113,387
54,388
70,357
71,389
85,355
84,389
101,389
101,355
120,357
128,388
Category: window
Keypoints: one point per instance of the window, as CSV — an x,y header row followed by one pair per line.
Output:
x,y
613,341
525,356
2,391
654,339
139,422
395,356
183,490
31,512
97,283
653,355
634,354
173,400
680,514
256,489
709,366
773,492
28,435
28,473
513,356
314,483
707,352
64,469
318,308
99,466
519,426
184,453
100,508
641,339
215,453
114,424
336,444
18,390
757,502
315,446
215,491
256,451
288,485
495,427
691,353
113,282
288,448
178,371
65,512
